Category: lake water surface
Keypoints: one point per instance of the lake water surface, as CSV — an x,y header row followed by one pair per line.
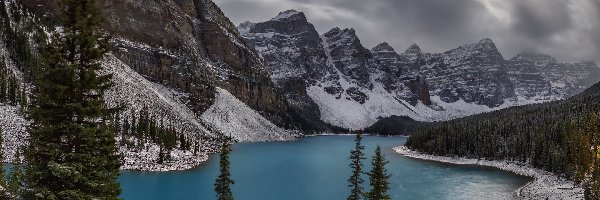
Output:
x,y
316,168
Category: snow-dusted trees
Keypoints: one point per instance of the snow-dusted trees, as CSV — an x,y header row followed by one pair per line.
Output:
x,y
12,92
140,128
16,30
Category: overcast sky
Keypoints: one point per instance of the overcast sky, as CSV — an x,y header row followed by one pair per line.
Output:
x,y
566,29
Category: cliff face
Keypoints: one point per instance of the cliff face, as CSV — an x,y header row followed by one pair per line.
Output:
x,y
474,73
187,45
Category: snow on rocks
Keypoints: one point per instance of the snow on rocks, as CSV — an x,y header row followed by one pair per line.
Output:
x,y
234,118
545,186
14,131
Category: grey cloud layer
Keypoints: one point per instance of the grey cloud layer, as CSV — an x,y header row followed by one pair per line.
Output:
x,y
567,29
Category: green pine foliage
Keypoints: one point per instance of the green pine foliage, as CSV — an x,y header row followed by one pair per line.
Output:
x,y
72,152
224,181
378,178
356,164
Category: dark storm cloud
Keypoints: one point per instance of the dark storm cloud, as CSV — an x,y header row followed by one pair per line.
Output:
x,y
569,30
539,21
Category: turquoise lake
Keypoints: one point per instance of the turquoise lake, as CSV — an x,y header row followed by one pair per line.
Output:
x,y
316,168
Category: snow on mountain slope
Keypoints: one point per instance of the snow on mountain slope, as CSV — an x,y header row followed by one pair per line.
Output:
x,y
347,113
14,131
13,126
234,118
135,92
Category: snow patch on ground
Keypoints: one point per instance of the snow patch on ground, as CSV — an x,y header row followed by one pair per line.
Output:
x,y
545,186
233,118
350,114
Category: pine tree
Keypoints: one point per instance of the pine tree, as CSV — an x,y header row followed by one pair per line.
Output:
x,y
378,178
356,158
72,152
23,99
161,155
224,181
12,90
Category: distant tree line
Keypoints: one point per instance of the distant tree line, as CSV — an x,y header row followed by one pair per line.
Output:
x,y
561,137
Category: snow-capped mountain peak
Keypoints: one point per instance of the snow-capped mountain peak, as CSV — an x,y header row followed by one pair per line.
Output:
x,y
383,47
486,41
413,49
288,15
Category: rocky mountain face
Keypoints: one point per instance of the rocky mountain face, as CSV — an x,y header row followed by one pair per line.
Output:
x,y
189,46
354,87
474,73
401,73
333,72
541,77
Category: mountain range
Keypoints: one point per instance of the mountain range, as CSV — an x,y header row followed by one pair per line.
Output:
x,y
355,87
185,61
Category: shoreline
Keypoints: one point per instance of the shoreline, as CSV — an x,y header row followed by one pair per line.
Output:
x,y
144,161
544,186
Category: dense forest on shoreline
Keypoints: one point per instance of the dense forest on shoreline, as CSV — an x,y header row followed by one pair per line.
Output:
x,y
560,137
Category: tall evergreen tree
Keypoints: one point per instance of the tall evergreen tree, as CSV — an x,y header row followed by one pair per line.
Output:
x,y
72,152
378,178
224,181
356,157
